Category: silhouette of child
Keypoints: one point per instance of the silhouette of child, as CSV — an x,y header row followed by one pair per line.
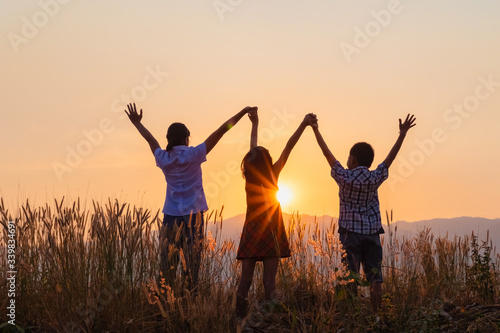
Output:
x,y
360,224
185,200
263,237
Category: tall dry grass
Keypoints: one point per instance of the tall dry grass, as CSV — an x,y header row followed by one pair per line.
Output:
x,y
97,270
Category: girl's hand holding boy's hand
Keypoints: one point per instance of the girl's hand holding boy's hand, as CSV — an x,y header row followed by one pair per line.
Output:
x,y
309,120
314,123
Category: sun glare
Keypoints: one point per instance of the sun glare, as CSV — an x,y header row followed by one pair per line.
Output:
x,y
284,195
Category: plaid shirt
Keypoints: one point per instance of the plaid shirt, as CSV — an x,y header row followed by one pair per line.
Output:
x,y
359,205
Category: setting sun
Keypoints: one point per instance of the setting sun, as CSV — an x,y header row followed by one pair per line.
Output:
x,y
284,195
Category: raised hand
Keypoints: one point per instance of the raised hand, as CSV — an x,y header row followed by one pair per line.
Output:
x,y
408,123
136,118
403,128
314,122
310,120
132,114
249,109
213,138
254,117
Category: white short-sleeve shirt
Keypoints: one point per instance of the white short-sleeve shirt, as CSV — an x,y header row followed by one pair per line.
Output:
x,y
182,169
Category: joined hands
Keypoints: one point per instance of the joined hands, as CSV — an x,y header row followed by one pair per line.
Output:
x,y
310,120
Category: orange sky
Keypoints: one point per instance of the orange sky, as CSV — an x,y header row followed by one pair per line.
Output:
x,y
69,67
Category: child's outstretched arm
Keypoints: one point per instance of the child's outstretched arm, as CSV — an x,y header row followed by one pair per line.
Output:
x,y
254,118
280,163
135,118
322,144
212,140
403,128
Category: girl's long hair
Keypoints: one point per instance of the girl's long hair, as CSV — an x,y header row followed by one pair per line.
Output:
x,y
256,168
177,134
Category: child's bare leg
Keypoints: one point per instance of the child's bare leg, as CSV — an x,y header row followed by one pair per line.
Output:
x,y
270,270
247,269
376,295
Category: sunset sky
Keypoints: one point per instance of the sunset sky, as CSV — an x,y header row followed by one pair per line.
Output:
x,y
68,68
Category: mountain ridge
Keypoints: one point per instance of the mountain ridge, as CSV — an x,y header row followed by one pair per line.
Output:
x,y
484,228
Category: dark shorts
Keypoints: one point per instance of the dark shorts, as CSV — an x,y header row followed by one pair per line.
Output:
x,y
192,226
182,233
364,250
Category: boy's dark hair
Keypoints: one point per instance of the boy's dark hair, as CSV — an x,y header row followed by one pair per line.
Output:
x,y
257,167
363,153
176,135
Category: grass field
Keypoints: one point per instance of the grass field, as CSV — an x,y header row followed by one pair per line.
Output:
x,y
97,270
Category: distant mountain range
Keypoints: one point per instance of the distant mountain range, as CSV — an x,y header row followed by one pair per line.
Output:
x,y
458,226
484,229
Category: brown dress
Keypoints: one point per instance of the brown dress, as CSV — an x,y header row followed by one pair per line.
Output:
x,y
263,234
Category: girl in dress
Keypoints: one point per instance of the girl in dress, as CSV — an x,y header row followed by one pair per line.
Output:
x,y
263,237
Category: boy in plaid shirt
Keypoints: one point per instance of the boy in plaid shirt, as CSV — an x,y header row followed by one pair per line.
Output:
x,y
360,224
